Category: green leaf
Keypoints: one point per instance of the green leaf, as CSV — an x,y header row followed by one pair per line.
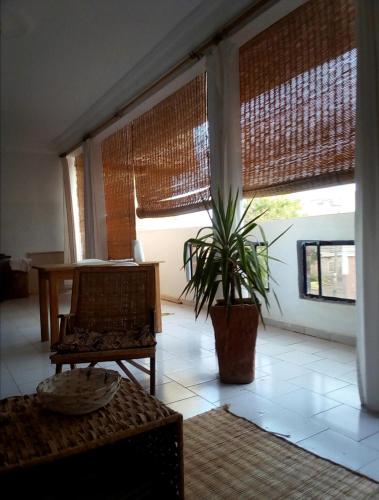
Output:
x,y
226,258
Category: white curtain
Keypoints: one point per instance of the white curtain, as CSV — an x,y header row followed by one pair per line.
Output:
x,y
367,209
94,204
69,236
224,119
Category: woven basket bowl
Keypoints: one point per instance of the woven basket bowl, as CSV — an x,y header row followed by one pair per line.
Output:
x,y
78,391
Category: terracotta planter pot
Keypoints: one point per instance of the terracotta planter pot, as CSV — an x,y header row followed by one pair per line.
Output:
x,y
236,336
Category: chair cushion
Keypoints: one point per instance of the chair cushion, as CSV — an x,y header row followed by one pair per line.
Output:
x,y
84,340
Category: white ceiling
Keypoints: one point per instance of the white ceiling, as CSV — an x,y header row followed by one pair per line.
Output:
x,y
68,64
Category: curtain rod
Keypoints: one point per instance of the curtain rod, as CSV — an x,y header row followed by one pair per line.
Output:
x,y
228,29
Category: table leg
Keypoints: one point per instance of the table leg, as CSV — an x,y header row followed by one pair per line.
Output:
x,y
54,298
158,311
43,306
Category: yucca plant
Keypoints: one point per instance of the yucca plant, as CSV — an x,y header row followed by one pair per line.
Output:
x,y
228,259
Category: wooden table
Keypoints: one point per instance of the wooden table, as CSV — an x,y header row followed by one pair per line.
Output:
x,y
131,448
49,278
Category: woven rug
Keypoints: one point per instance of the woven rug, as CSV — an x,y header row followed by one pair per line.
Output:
x,y
229,457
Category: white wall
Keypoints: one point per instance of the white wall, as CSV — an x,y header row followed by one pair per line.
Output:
x,y
31,203
329,320
167,245
313,317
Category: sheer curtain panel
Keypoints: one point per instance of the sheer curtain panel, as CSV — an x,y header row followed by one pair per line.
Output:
x,y
94,210
367,211
78,190
70,247
224,119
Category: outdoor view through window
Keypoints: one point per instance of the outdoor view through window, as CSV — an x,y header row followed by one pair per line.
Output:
x,y
325,201
329,267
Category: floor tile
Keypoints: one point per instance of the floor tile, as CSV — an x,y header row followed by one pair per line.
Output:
x,y
28,387
350,376
298,357
262,360
317,382
272,349
285,371
8,387
35,374
338,355
348,395
251,406
309,347
340,449
313,344
271,387
306,402
175,364
215,391
172,392
192,406
328,367
194,376
371,470
353,423
372,441
274,418
288,340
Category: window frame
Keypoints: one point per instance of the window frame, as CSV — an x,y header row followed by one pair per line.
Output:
x,y
263,244
191,264
302,270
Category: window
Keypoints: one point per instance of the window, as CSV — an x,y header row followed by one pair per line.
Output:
x,y
261,249
191,264
78,193
327,270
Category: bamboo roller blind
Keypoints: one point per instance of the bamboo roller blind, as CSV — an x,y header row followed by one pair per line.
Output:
x,y
79,170
170,153
297,88
119,193
162,156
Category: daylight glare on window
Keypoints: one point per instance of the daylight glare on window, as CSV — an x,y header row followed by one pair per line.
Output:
x,y
325,201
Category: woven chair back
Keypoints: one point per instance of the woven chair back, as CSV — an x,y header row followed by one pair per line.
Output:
x,y
113,298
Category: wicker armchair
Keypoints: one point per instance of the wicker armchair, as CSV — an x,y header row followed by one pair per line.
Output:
x,y
111,319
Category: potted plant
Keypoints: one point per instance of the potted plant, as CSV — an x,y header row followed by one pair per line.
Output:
x,y
228,261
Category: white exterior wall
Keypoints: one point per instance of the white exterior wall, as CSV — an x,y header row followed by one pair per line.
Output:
x,y
31,203
323,319
309,316
166,245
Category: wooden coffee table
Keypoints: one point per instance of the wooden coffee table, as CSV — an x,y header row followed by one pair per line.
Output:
x,y
131,448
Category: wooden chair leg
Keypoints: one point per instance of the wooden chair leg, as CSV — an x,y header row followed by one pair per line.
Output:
x,y
58,369
72,366
152,376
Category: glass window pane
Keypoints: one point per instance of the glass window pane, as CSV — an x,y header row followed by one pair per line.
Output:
x,y
311,271
338,271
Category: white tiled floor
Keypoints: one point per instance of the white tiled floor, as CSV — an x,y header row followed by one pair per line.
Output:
x,y
305,388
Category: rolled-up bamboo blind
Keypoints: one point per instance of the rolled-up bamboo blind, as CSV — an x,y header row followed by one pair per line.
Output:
x,y
119,193
170,153
297,90
79,170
